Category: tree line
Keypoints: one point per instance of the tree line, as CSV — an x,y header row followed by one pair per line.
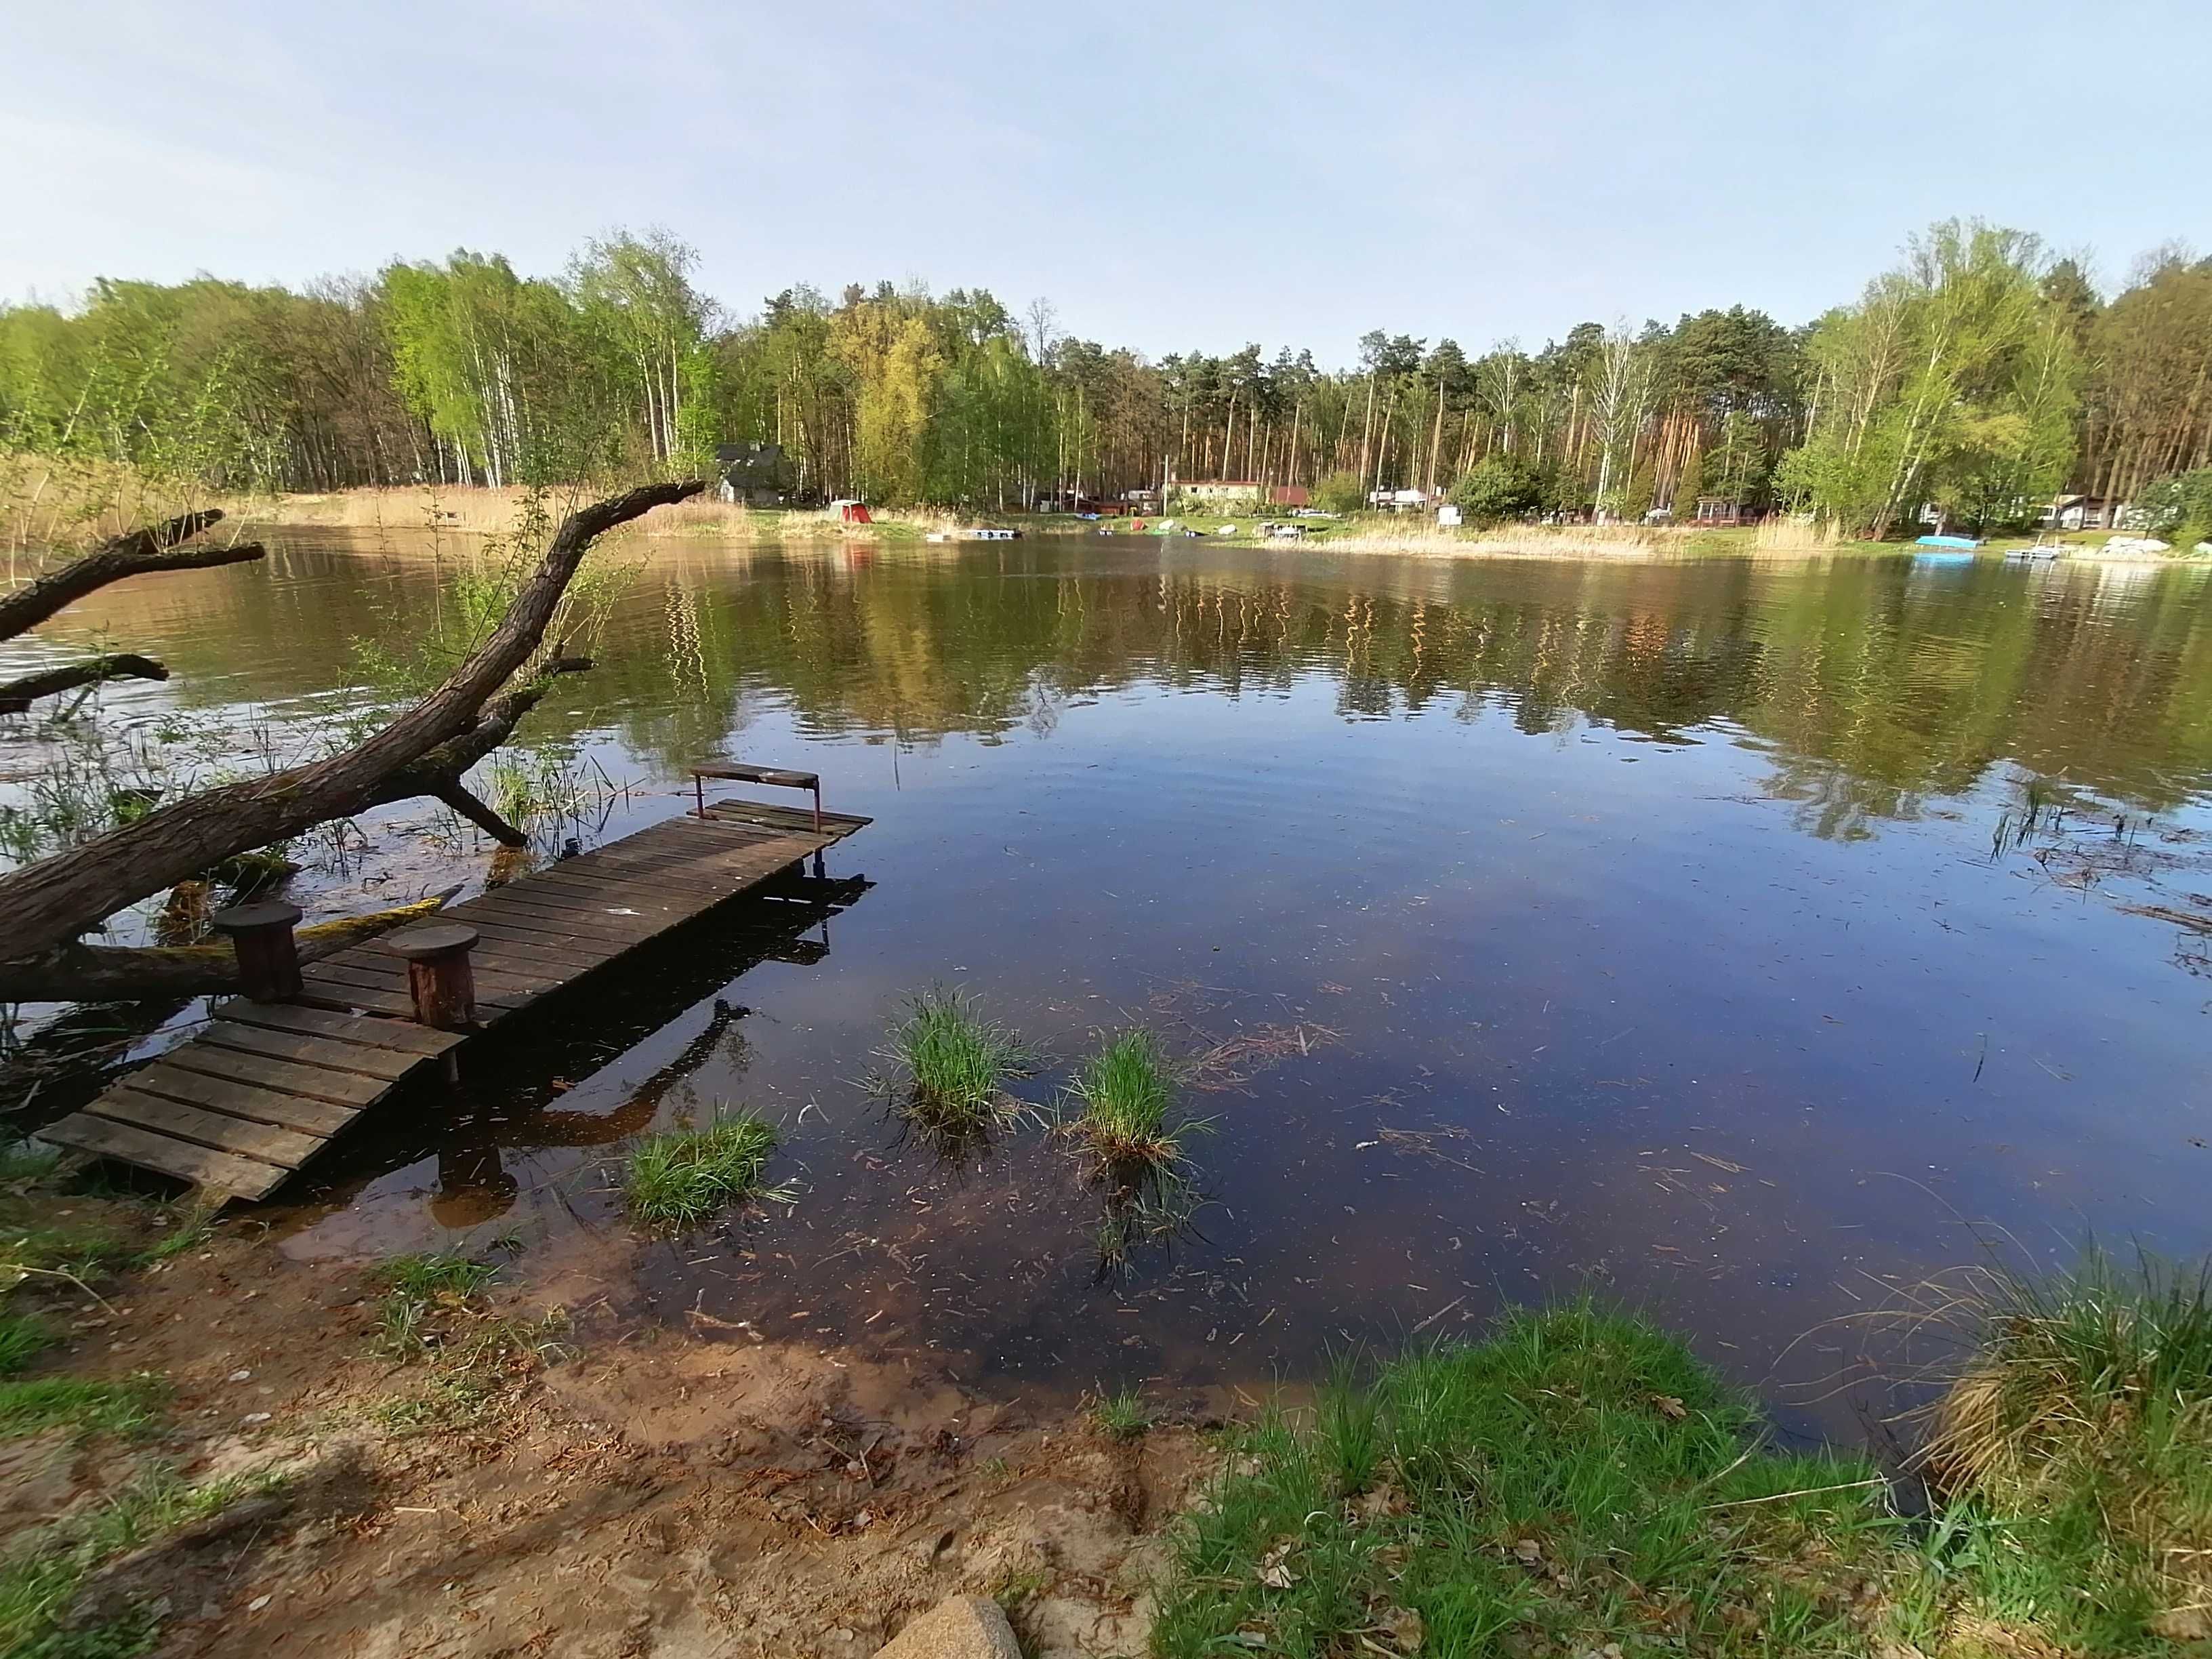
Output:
x,y
1981,375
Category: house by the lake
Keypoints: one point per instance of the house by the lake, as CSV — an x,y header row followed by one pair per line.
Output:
x,y
755,475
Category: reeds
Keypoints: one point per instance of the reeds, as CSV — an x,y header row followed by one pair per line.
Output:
x,y
947,1065
679,1177
2082,1420
1126,1093
1123,1415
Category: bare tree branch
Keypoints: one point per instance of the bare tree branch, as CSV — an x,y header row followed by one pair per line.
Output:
x,y
44,904
18,695
142,552
481,815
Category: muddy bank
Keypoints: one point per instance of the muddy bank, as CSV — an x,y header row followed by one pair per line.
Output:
x,y
588,1494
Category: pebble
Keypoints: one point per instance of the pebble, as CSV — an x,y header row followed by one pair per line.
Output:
x,y
255,1417
257,1603
240,1377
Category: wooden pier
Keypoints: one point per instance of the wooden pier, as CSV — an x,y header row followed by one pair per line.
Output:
x,y
260,1090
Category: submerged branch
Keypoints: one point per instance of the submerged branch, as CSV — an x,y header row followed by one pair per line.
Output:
x,y
18,695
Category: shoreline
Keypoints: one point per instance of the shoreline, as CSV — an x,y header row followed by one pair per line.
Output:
x,y
478,511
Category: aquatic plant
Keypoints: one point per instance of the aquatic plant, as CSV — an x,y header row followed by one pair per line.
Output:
x,y
949,1065
1578,1479
1122,1415
679,1177
1126,1091
2082,1424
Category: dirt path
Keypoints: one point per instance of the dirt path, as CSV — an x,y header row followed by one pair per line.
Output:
x,y
663,1494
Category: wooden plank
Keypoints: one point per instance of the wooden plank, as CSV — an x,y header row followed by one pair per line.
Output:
x,y
403,1035
390,1064
224,1172
374,958
283,1147
743,772
353,998
382,975
623,932
312,1082
311,1117
572,949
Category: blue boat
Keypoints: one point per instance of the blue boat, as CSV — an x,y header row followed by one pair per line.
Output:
x,y
1967,543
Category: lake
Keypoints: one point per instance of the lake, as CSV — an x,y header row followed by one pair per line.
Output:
x,y
1746,940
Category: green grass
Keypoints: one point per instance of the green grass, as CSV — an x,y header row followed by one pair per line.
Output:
x,y
185,1232
26,1160
419,1286
28,1406
2080,1431
36,1587
23,1337
949,1065
679,1177
1576,1480
1122,1415
64,1252
1127,1094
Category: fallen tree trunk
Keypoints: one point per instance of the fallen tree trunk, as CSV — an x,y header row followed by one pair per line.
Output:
x,y
43,905
116,973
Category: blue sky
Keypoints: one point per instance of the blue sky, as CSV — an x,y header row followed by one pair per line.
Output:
x,y
1168,176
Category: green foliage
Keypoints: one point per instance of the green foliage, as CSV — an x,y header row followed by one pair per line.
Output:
x,y
37,1585
2180,508
1955,379
1576,1480
28,1406
2081,1430
1689,485
26,1160
23,1338
1499,487
1339,492
949,1064
679,1177
1122,1415
417,1286
1127,1094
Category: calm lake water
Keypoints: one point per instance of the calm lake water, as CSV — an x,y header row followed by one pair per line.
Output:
x,y
1668,928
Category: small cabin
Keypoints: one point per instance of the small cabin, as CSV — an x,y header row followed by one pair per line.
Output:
x,y
755,475
1721,510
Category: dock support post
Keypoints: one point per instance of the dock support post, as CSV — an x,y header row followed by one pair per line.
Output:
x,y
268,956
440,979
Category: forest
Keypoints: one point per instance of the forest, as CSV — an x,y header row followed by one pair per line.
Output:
x,y
1981,373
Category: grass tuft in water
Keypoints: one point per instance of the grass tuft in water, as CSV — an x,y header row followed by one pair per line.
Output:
x,y
1127,1094
1576,1481
2081,1428
949,1065
1123,1415
679,1177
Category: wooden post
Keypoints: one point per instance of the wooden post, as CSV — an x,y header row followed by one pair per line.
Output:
x,y
268,956
438,973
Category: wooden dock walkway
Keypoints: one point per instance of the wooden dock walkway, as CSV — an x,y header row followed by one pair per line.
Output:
x,y
260,1090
